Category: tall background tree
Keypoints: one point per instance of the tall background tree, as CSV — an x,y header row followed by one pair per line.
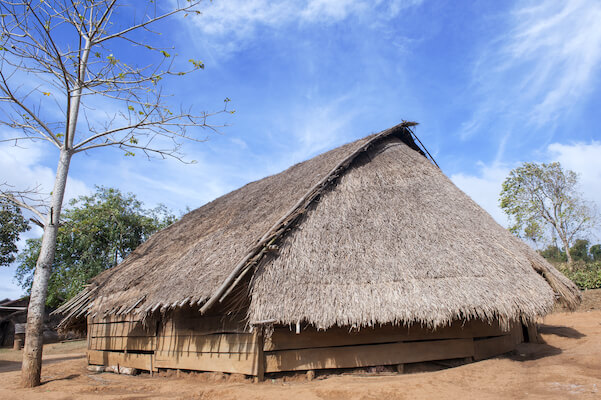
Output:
x,y
542,202
61,61
96,233
12,224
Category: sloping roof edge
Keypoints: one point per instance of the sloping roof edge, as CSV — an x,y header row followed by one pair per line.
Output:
x,y
80,305
253,257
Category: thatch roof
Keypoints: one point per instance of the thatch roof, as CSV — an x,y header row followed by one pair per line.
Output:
x,y
368,233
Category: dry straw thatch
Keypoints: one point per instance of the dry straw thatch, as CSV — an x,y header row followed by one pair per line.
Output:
x,y
368,233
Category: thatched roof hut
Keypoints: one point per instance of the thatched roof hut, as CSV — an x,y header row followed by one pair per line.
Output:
x,y
369,234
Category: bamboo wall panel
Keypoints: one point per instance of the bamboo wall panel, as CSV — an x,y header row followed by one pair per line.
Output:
x,y
285,339
120,329
113,318
367,355
121,334
192,324
122,343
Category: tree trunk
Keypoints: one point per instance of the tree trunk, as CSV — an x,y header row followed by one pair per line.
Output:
x,y
566,246
32,353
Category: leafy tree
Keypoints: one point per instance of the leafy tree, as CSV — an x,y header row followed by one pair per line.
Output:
x,y
542,200
595,251
69,54
553,253
96,233
12,224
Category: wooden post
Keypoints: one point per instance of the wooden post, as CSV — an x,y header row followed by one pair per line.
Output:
x,y
400,368
260,354
19,336
532,333
18,342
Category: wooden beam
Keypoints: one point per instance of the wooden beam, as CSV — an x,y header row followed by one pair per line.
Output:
x,y
111,319
232,363
130,360
532,330
191,324
367,355
260,355
120,329
486,348
216,343
122,343
284,339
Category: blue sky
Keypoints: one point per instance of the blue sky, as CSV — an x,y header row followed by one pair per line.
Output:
x,y
492,84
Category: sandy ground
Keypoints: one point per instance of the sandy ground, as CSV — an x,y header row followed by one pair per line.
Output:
x,y
566,366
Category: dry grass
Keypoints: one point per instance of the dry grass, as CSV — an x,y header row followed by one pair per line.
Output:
x,y
396,241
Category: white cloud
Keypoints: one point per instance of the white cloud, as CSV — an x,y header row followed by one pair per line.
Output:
x,y
582,158
23,168
542,68
236,21
585,159
321,126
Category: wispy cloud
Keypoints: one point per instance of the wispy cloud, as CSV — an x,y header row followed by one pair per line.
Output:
x,y
23,167
542,68
235,23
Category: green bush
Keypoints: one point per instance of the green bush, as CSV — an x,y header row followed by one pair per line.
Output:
x,y
585,276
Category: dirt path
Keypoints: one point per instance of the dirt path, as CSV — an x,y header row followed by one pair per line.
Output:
x,y
9,365
568,365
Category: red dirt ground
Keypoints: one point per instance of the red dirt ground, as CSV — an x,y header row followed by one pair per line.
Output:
x,y
567,365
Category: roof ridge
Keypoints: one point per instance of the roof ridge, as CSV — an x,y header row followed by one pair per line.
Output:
x,y
277,230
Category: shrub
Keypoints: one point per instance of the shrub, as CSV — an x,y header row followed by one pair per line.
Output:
x,y
585,276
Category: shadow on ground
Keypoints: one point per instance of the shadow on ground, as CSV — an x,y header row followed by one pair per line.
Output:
x,y
9,366
562,331
64,378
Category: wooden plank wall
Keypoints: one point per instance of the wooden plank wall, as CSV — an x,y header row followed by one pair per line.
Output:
x,y
386,345
207,343
216,343
125,334
184,341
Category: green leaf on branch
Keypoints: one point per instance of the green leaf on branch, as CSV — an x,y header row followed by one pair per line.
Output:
x,y
112,60
197,63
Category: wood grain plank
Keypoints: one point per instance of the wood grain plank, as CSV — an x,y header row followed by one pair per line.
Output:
x,y
232,363
285,339
123,343
214,343
187,324
367,355
131,360
121,329
490,347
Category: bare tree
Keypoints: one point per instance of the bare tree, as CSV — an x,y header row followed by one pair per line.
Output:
x,y
62,50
